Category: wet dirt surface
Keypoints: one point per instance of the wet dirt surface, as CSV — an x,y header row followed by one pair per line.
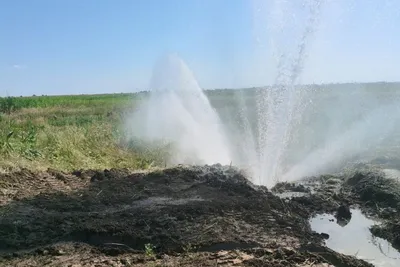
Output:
x,y
378,194
184,216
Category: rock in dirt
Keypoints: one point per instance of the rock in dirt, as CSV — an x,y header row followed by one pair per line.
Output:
x,y
343,213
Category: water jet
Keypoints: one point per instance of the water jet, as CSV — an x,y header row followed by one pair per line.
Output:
x,y
179,113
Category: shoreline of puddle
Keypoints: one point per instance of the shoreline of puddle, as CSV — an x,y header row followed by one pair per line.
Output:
x,y
354,238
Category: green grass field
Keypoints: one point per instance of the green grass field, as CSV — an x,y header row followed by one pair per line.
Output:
x,y
72,132
68,132
85,131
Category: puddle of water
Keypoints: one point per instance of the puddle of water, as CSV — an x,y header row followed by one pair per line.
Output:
x,y
355,239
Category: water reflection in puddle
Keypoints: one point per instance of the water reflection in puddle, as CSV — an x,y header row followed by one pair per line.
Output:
x,y
355,239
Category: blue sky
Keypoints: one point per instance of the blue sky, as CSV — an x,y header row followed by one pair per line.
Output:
x,y
97,46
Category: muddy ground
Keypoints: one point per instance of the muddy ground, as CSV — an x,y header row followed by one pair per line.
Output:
x,y
184,216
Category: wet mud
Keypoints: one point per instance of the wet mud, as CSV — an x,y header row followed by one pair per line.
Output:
x,y
183,216
378,195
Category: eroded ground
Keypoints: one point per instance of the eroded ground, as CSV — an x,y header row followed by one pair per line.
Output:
x,y
185,216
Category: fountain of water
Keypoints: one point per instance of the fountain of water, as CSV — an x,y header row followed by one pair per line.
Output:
x,y
287,132
179,113
279,106
358,122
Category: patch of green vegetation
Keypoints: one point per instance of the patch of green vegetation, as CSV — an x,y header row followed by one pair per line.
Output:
x,y
149,251
8,105
82,120
84,131
69,132
68,101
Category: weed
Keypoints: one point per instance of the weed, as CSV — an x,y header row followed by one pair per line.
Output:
x,y
6,147
149,251
28,142
189,248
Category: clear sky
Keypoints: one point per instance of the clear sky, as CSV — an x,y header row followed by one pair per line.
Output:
x,y
97,46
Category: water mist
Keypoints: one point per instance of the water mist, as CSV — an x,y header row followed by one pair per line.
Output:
x,y
279,105
280,132
296,131
178,113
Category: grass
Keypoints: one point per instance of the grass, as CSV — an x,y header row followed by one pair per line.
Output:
x,y
68,133
106,100
74,132
85,131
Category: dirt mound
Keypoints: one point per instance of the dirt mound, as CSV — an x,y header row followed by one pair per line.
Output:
x,y
378,195
374,188
188,216
26,184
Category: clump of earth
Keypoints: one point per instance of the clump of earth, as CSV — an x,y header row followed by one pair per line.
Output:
x,y
182,216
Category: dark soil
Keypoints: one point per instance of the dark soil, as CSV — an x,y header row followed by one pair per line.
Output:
x,y
292,187
184,216
379,196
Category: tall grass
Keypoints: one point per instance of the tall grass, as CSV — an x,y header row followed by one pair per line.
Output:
x,y
69,101
68,133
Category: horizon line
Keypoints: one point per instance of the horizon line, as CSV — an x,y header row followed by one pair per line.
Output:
x,y
209,89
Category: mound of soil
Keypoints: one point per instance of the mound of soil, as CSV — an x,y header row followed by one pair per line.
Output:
x,y
374,189
183,216
378,195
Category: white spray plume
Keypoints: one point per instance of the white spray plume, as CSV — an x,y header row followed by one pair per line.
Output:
x,y
361,137
279,133
178,112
